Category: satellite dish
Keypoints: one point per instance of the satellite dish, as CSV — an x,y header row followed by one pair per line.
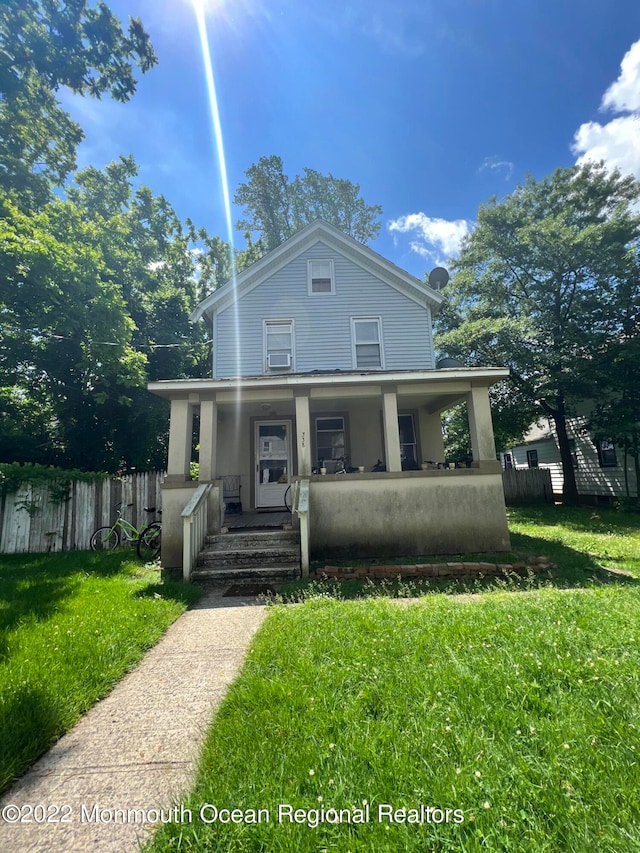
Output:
x,y
438,278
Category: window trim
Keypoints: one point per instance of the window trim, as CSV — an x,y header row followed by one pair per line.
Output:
x,y
310,290
354,323
530,458
265,353
611,449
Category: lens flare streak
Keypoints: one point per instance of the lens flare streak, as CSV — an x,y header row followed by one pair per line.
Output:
x,y
201,20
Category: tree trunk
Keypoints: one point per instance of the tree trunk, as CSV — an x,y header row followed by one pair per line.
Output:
x,y
570,489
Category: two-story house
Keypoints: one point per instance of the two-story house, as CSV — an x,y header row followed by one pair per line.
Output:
x,y
324,349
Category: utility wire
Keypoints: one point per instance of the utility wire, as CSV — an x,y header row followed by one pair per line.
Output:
x,y
114,343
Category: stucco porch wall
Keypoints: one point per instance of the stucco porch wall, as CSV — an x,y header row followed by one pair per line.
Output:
x,y
408,513
175,497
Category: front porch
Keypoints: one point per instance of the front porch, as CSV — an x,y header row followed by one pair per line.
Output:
x,y
272,430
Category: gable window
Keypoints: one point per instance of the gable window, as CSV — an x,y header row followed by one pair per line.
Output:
x,y
330,440
408,450
606,453
278,344
320,277
532,458
366,335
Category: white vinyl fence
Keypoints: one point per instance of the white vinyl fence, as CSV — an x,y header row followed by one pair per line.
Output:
x,y
33,519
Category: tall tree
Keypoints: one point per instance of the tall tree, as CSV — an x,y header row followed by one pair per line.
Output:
x,y
537,288
96,296
616,389
46,44
275,207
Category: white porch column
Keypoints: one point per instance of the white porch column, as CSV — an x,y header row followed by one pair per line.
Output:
x,y
480,426
303,434
431,438
391,431
208,441
180,427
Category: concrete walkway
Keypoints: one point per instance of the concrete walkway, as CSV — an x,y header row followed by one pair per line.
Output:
x,y
138,747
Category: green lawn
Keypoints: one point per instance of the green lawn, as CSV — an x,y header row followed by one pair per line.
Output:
x,y
519,709
70,626
587,546
579,540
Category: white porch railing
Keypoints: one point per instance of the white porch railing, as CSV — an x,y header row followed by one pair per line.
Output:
x,y
195,517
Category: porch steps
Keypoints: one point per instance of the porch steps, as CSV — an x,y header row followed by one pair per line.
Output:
x,y
265,555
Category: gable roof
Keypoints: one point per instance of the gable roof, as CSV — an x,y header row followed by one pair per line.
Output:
x,y
360,254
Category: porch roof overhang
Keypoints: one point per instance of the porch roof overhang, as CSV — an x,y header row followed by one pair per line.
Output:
x,y
440,388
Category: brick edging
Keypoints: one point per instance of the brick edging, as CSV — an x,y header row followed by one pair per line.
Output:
x,y
423,571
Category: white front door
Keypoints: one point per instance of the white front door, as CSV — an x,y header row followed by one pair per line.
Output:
x,y
273,462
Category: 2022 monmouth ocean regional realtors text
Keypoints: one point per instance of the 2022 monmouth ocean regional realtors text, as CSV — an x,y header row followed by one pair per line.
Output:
x,y
209,813
283,813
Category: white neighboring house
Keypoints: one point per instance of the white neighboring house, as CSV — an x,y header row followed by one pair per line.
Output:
x,y
598,465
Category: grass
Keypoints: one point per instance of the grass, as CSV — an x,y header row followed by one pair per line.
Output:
x,y
585,549
70,626
600,538
521,711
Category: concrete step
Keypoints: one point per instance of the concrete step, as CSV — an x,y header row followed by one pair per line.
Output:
x,y
246,575
250,557
255,539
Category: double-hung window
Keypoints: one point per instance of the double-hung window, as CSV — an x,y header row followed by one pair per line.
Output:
x,y
573,451
366,333
278,345
320,277
408,450
330,439
606,453
532,458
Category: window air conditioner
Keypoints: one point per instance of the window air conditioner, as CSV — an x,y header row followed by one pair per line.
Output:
x,y
279,359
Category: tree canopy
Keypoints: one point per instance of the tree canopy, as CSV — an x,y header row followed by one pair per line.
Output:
x,y
275,207
96,295
539,286
46,45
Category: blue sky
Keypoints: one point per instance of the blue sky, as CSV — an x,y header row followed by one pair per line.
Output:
x,y
432,107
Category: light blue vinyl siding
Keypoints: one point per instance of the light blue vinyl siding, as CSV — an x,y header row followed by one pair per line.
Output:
x,y
322,322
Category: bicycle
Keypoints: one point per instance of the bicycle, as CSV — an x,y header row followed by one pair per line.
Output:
x,y
122,532
150,541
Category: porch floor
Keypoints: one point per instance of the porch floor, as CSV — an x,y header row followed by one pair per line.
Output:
x,y
252,520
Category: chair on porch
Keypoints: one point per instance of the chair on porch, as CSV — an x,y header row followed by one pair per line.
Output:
x,y
231,487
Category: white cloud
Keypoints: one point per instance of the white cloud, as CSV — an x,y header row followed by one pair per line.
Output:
x,y
434,238
495,164
623,96
617,142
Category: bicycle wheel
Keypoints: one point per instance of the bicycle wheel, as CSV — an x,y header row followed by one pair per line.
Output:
x,y
148,546
104,539
287,499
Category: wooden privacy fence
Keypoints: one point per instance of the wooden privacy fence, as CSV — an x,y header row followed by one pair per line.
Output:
x,y
35,519
527,486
